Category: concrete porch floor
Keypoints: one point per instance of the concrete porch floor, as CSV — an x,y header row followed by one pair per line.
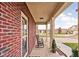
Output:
x,y
43,52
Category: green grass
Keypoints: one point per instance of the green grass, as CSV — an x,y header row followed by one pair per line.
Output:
x,y
72,45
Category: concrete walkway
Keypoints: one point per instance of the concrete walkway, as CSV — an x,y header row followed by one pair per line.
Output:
x,y
64,48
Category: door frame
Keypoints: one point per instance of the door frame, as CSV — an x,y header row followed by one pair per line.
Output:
x,y
24,16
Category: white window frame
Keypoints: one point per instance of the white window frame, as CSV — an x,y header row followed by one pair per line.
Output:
x,y
24,16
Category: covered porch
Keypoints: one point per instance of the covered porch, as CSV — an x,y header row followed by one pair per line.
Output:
x,y
19,33
45,14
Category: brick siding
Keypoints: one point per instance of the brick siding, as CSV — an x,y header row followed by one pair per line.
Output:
x,y
10,29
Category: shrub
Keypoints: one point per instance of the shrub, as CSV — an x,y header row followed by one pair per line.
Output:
x,y
75,52
53,46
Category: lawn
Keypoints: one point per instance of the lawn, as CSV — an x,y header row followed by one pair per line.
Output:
x,y
72,45
66,35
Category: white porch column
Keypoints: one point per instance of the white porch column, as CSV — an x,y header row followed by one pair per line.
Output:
x,y
46,33
46,41
37,29
51,31
78,29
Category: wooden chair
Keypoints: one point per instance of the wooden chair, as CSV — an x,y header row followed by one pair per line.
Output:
x,y
40,42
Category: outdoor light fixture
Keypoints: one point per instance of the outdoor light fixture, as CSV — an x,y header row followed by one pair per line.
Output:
x,y
41,18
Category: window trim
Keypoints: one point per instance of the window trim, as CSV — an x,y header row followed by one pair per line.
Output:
x,y
24,16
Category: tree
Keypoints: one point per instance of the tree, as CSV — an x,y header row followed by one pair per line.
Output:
x,y
59,30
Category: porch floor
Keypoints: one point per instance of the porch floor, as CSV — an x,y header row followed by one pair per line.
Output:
x,y
43,52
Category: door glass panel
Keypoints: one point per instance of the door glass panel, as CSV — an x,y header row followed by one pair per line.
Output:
x,y
24,46
24,36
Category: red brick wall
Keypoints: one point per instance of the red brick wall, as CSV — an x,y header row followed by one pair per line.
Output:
x,y
32,36
10,28
32,29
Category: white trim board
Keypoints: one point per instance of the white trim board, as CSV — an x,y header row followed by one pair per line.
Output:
x,y
23,15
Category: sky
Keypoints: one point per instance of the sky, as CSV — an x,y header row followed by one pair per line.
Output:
x,y
67,18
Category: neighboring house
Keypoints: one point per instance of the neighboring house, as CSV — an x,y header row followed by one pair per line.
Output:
x,y
62,31
73,29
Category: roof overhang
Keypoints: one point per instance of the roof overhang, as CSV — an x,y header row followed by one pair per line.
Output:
x,y
42,12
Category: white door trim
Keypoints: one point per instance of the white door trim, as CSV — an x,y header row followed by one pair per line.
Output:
x,y
23,15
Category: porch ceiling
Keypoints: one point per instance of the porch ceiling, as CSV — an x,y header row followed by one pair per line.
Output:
x,y
42,12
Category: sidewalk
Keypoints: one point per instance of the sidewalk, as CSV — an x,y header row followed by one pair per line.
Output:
x,y
65,49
